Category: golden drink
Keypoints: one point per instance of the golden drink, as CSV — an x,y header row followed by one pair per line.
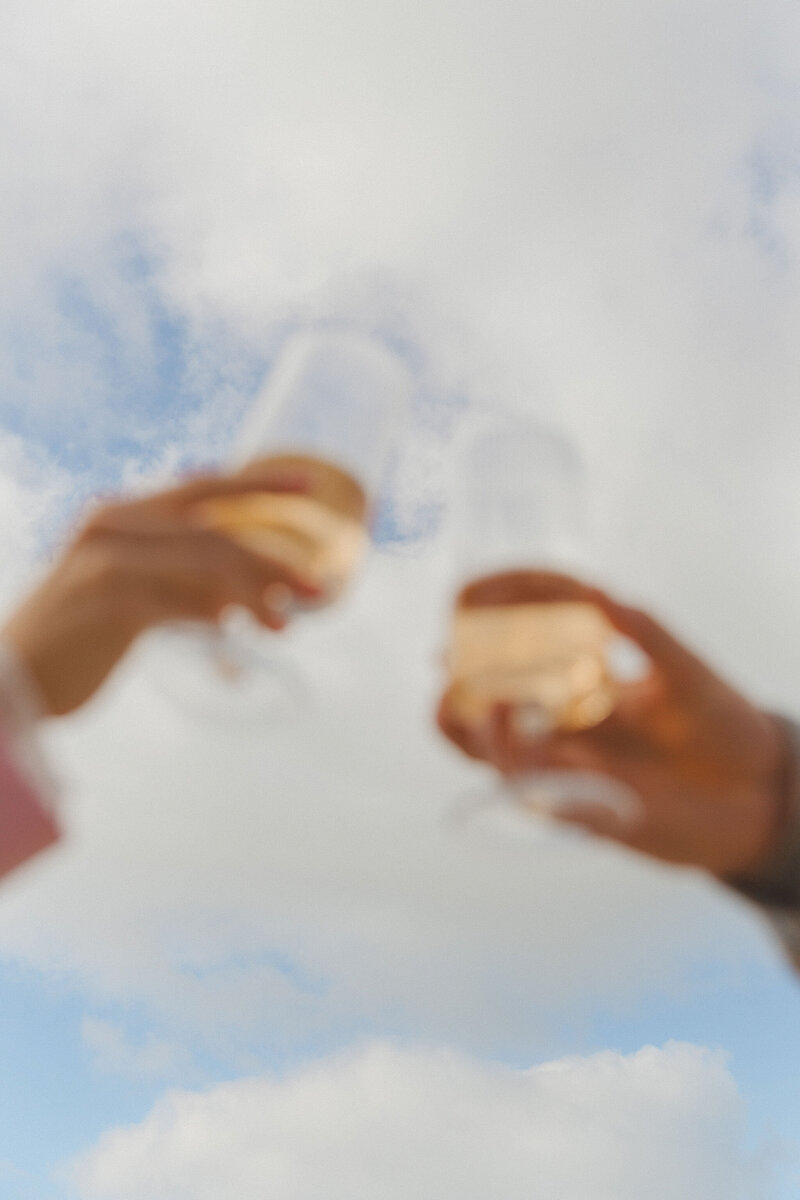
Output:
x,y
521,639
320,532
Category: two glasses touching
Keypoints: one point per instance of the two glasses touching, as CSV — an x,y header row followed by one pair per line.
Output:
x,y
525,646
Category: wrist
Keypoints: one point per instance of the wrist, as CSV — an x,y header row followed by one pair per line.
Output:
x,y
21,709
72,630
22,703
771,876
773,801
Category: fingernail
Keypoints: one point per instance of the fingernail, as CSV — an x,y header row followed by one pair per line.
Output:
x,y
313,587
531,721
278,599
296,480
605,796
290,480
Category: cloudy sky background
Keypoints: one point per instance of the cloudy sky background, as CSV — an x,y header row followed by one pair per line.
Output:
x,y
264,958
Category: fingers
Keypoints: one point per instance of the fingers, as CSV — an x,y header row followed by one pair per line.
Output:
x,y
513,752
194,573
511,587
673,659
158,537
594,787
271,477
221,575
177,502
619,823
514,740
228,573
467,735
608,751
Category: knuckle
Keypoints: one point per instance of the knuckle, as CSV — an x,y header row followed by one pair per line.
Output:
x,y
214,558
221,552
211,586
106,507
227,585
102,569
99,522
640,618
204,601
210,605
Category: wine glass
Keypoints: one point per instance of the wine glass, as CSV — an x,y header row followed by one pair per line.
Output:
x,y
332,406
522,634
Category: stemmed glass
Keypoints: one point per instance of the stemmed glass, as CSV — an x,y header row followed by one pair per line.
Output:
x,y
522,634
332,407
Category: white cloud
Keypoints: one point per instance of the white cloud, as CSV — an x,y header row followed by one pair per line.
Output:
x,y
589,210
557,206
149,1058
662,1123
33,494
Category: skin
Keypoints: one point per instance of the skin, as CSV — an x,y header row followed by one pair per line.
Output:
x,y
137,564
707,765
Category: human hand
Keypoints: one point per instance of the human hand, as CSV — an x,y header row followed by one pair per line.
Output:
x,y
706,764
139,563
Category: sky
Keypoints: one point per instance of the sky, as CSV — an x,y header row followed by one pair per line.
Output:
x,y
266,959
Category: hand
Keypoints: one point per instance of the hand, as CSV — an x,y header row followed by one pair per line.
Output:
x,y
139,563
706,764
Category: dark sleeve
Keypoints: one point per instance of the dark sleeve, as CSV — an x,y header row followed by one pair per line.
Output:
x,y
776,887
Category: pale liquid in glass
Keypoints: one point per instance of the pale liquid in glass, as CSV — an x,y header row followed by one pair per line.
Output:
x,y
321,532
545,657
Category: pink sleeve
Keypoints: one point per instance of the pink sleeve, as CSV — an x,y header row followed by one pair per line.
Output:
x,y
26,824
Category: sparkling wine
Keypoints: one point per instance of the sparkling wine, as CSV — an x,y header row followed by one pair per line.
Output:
x,y
520,639
320,532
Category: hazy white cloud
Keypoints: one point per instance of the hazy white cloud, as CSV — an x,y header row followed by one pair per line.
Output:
x,y
381,1121
147,1058
34,492
586,210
